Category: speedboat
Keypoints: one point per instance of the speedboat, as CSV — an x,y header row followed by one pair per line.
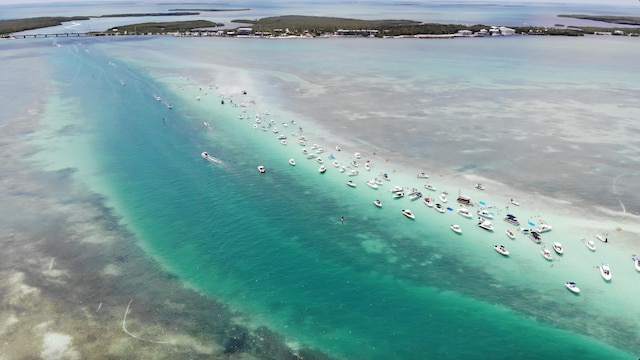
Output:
x,y
367,166
398,195
283,142
343,168
456,228
511,219
205,155
486,224
415,196
377,203
514,202
443,197
572,287
485,214
282,137
546,254
338,148
423,176
479,187
353,173
275,129
354,163
170,106
396,189
602,237
386,177
501,249
439,208
557,247
292,162
464,212
591,245
357,155
511,234
305,151
430,187
636,263
377,181
605,271
319,160
302,143
535,237
158,98
322,169
428,202
372,184
336,163
311,156
409,214
262,169
351,183
544,228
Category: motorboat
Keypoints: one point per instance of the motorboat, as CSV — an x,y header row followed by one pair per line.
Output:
x,y
456,228
524,231
535,237
572,286
302,143
357,155
557,247
377,203
261,169
351,183
255,126
439,208
322,169
283,142
464,212
591,245
443,197
605,271
602,237
486,224
409,214
430,187
636,263
338,148
315,146
282,137
546,254
423,176
377,181
367,166
343,168
501,250
511,234
398,195
319,160
372,184
511,219
353,173
479,186
464,200
396,189
544,228
415,196
386,177
170,106
336,163
292,162
485,214
355,163
428,202
205,155
305,151
311,156
513,202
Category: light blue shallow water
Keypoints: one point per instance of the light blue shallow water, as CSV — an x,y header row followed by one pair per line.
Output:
x,y
272,246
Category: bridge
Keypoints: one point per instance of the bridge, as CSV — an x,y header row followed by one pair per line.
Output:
x,y
68,34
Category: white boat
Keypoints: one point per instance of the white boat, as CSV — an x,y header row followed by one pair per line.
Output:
x,y
354,163
262,169
591,245
205,155
386,177
501,250
319,160
443,197
605,271
377,203
377,181
546,254
357,155
544,228
398,195
396,189
456,228
409,214
275,129
282,137
439,208
372,184
415,196
511,219
464,212
428,202
305,151
486,224
343,168
423,176
430,187
636,263
514,202
535,237
338,148
292,162
283,142
485,214
511,234
170,106
351,183
367,166
557,247
336,163
353,173
255,126
479,186
322,169
572,286
302,143
602,237
311,156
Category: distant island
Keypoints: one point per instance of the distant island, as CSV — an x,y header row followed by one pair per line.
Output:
x,y
311,26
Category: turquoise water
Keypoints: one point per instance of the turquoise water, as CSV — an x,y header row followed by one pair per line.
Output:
x,y
272,246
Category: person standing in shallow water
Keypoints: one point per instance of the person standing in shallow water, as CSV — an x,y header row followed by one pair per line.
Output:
x,y
342,219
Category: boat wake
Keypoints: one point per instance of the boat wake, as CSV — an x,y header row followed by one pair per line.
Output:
x,y
213,159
